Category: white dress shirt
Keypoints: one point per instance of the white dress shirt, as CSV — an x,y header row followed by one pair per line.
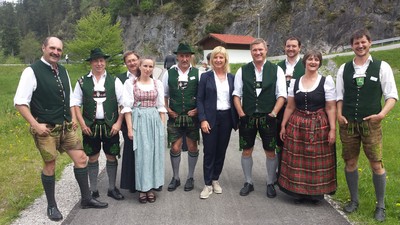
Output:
x,y
223,98
28,84
183,76
388,84
280,90
98,86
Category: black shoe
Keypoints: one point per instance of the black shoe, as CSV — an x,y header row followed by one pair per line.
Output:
x,y
315,201
54,214
298,201
189,185
351,207
158,189
173,184
95,194
271,192
246,189
93,203
380,214
115,194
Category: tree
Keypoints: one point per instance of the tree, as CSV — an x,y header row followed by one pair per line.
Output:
x,y
30,48
96,31
9,32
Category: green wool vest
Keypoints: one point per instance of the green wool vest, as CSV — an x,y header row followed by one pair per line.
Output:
x,y
365,101
181,101
122,77
298,68
50,100
265,102
110,105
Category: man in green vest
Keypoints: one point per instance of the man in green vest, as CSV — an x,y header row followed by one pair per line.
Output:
x,y
260,92
293,69
100,94
180,87
43,99
360,85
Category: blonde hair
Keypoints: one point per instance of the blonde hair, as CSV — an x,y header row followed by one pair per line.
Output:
x,y
220,50
259,41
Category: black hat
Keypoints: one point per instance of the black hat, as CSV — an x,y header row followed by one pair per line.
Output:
x,y
97,53
183,48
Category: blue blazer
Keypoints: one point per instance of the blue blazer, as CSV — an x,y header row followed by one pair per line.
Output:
x,y
207,99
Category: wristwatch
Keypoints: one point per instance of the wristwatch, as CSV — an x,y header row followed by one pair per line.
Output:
x,y
273,114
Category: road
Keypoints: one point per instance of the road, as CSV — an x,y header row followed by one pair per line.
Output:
x,y
180,207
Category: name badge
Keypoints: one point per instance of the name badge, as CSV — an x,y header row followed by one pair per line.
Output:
x,y
374,79
192,78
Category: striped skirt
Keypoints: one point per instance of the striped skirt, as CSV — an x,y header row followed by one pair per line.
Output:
x,y
308,164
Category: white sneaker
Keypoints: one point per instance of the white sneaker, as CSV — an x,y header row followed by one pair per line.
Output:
x,y
217,188
207,191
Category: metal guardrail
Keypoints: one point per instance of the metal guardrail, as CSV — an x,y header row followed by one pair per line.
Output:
x,y
377,42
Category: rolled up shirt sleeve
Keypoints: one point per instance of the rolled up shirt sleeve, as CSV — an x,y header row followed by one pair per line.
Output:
x,y
26,86
280,84
388,83
238,83
127,97
339,84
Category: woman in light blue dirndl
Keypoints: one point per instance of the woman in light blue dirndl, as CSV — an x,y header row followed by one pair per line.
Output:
x,y
145,115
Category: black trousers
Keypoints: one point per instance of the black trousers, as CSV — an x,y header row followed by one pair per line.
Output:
x,y
215,145
128,162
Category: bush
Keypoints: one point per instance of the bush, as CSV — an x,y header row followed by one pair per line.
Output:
x,y
214,28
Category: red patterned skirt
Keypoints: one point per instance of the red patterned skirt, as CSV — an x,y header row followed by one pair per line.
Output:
x,y
308,164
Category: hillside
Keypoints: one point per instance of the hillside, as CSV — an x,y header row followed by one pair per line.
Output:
x,y
322,24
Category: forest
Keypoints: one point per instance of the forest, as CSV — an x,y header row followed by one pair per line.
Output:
x,y
25,23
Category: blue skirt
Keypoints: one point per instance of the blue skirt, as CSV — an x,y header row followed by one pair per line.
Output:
x,y
148,144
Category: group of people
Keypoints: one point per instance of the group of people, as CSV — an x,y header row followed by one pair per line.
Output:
x,y
292,107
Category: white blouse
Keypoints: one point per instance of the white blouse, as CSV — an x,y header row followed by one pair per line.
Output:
x,y
329,87
128,98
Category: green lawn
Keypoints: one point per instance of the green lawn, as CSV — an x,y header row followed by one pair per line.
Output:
x,y
20,163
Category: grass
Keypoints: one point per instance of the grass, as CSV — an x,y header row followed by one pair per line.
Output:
x,y
20,163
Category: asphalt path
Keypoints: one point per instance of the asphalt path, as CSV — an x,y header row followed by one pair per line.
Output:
x,y
180,207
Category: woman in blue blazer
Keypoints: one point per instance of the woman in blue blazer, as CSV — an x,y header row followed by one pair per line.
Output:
x,y
218,117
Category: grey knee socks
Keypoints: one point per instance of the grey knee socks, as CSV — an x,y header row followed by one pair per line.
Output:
x,y
93,170
247,166
380,186
352,184
175,161
272,165
111,167
192,161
